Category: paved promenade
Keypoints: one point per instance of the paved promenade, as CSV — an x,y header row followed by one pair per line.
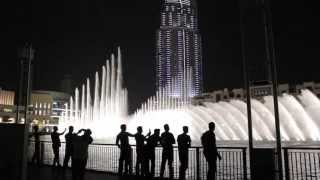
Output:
x,y
48,173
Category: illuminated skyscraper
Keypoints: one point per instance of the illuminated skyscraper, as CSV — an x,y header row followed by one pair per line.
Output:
x,y
179,57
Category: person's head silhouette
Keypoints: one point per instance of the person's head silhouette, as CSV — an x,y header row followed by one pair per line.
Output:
x,y
70,129
87,132
166,128
55,129
185,129
212,126
123,127
157,132
139,129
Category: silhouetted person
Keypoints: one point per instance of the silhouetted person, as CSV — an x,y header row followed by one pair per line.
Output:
x,y
149,152
36,134
167,140
184,142
140,139
55,138
80,153
208,140
125,151
69,146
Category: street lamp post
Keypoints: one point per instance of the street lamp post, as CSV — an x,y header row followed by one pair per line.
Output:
x,y
27,55
270,52
247,84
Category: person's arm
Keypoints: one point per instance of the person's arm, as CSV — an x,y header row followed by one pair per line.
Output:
x,y
130,135
189,141
158,141
173,139
148,135
202,140
90,140
217,153
80,131
117,141
146,138
62,132
219,156
178,140
161,140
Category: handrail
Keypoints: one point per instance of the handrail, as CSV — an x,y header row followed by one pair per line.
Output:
x,y
104,157
301,148
192,147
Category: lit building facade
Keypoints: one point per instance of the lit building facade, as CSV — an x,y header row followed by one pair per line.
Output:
x,y
6,97
45,110
49,106
7,107
179,57
258,91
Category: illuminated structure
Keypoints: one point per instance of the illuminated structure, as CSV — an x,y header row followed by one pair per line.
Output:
x,y
179,49
46,107
6,97
6,105
106,109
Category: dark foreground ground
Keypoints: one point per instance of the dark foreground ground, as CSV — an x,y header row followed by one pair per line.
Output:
x,y
48,173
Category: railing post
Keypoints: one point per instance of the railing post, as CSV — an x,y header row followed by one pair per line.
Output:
x,y
244,161
198,163
286,163
131,162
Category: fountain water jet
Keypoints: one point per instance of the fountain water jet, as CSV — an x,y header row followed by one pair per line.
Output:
x,y
109,107
299,116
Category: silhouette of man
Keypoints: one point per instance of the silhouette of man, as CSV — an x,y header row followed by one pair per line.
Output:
x,y
167,140
150,156
55,138
140,139
80,153
125,151
69,146
208,140
36,134
184,142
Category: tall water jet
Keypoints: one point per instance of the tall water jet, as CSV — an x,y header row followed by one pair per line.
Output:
x,y
109,106
299,115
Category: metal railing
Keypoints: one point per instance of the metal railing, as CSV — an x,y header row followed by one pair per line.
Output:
x,y
104,157
301,163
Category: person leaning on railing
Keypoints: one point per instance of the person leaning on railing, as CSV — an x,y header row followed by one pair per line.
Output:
x,y
208,141
122,142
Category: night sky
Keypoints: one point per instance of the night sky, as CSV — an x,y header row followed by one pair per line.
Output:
x,y
76,37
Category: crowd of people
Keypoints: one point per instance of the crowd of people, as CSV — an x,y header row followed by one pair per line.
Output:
x,y
145,150
77,150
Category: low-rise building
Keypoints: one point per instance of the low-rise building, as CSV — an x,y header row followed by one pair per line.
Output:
x,y
46,107
257,90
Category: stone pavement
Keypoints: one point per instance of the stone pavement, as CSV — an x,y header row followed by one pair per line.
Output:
x,y
49,173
